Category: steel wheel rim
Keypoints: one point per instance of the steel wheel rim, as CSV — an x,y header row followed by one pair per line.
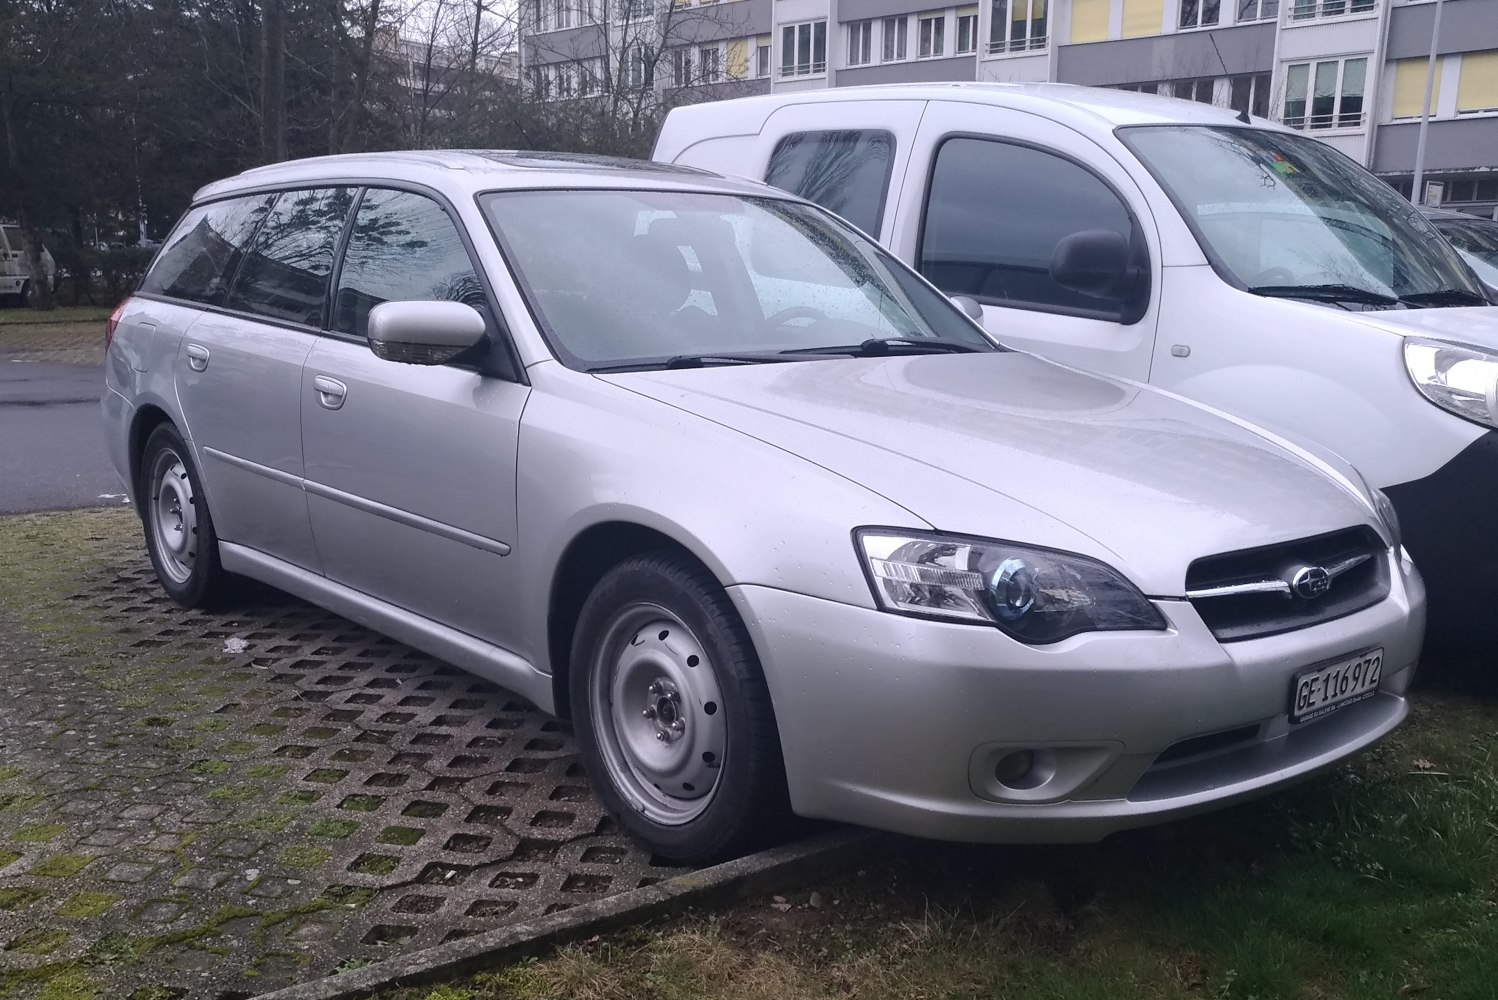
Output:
x,y
658,714
174,518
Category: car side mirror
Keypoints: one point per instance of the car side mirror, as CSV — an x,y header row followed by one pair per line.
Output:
x,y
423,333
969,307
1095,262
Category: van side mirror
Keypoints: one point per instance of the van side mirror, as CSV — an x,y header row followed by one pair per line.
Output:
x,y
1095,262
423,333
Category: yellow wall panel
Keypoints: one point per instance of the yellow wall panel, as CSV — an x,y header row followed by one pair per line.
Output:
x,y
1089,20
1143,17
1478,89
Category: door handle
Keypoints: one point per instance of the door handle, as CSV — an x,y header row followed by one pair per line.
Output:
x,y
197,357
330,391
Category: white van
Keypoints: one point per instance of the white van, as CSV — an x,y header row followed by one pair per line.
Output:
x,y
1229,259
15,272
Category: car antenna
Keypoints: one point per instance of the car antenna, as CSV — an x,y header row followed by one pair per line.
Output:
x,y
1243,116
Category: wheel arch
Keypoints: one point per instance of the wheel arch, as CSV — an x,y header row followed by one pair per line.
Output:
x,y
147,418
588,556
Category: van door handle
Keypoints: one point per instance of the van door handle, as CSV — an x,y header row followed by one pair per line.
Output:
x,y
330,391
197,357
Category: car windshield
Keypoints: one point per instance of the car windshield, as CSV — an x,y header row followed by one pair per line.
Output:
x,y
1284,214
1479,237
621,279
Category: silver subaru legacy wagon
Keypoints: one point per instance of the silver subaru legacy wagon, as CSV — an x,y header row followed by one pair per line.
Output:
x,y
700,467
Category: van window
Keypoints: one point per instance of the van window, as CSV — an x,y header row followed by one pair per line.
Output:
x,y
10,239
846,172
201,255
994,215
403,247
285,273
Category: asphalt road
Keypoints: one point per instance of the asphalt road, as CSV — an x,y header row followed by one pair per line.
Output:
x,y
51,446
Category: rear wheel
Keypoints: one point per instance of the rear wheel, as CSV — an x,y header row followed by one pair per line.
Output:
x,y
23,297
179,528
672,713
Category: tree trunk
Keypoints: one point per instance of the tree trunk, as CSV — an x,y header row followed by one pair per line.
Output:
x,y
363,66
272,81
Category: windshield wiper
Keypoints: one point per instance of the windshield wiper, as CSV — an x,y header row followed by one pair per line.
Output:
x,y
879,347
715,360
1444,297
1326,293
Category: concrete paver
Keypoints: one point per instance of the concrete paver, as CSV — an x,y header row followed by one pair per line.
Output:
x,y
217,805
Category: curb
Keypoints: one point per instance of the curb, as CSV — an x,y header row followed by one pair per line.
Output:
x,y
774,868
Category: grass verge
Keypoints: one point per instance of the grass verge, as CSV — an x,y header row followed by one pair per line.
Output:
x,y
1376,881
73,335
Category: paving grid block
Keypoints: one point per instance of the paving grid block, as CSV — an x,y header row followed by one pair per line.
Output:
x,y
258,797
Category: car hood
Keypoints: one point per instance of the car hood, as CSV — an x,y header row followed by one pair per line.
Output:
x,y
1007,445
1476,325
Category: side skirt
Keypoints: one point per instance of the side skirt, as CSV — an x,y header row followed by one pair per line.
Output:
x,y
502,667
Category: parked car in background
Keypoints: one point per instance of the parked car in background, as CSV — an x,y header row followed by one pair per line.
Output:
x,y
701,466
16,279
1228,259
1474,237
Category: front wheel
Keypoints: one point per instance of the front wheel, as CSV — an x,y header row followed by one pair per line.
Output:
x,y
672,713
179,529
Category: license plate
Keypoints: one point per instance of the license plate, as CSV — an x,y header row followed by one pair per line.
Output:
x,y
1324,689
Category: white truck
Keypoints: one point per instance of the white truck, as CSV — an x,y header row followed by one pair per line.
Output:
x,y
16,280
1226,258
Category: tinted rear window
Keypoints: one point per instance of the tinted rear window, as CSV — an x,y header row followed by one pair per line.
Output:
x,y
284,275
846,172
200,257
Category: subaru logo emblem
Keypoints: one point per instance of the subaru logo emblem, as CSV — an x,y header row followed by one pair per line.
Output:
x,y
1310,582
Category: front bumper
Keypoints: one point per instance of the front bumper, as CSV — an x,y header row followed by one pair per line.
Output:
x,y
896,723
1453,538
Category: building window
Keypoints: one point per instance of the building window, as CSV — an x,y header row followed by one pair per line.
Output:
x,y
1139,88
709,64
1198,90
803,48
681,68
1477,89
1326,94
762,57
894,32
933,36
1301,10
967,31
1199,13
860,43
635,10
589,77
1249,93
1017,26
1258,10
638,70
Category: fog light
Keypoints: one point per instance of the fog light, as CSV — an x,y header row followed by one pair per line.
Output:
x,y
1013,769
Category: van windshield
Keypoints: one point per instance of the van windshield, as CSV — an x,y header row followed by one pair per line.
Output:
x,y
1285,215
649,279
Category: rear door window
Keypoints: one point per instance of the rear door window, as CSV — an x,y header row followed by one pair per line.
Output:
x,y
284,275
846,172
996,212
404,247
200,257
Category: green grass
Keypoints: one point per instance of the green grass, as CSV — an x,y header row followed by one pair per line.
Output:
x,y
87,904
1379,880
62,866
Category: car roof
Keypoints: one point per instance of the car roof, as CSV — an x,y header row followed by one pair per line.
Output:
x,y
1082,107
470,171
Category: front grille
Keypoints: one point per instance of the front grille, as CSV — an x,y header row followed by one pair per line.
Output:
x,y
1253,592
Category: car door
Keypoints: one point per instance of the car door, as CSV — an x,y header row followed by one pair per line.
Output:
x,y
988,196
411,468
260,267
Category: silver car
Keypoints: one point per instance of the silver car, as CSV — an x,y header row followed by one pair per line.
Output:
x,y
699,466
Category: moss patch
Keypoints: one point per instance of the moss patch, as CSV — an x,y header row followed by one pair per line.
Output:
x,y
38,833
405,836
336,829
303,856
18,899
39,941
87,904
62,865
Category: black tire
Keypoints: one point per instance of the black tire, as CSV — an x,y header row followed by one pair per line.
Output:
x,y
23,297
186,559
747,804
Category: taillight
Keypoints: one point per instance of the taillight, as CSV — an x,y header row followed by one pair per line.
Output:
x,y
112,323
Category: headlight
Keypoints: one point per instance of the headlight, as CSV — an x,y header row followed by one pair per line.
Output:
x,y
1035,595
1463,380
